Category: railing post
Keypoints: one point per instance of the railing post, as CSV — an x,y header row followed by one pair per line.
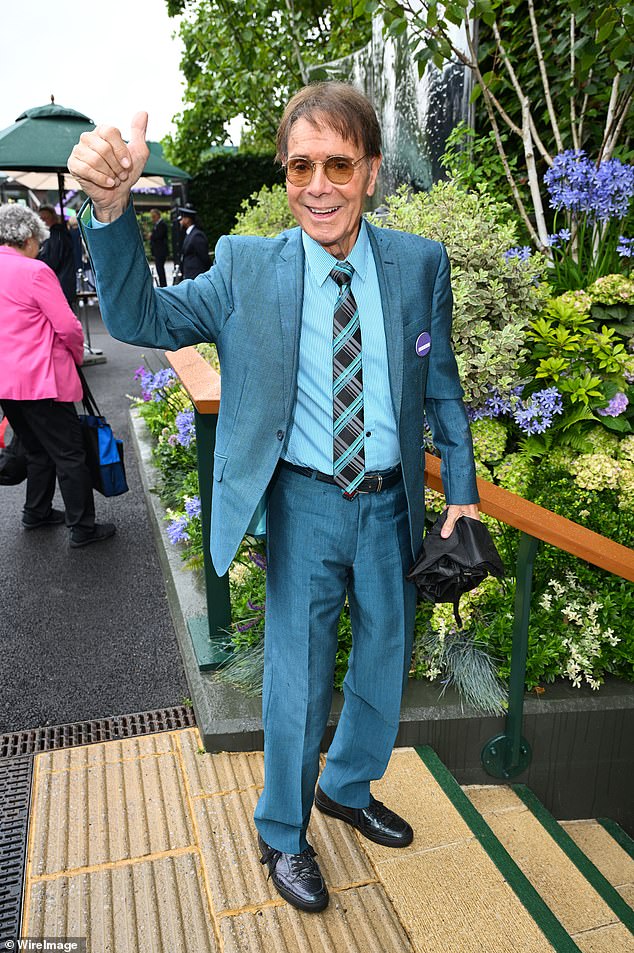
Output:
x,y
508,754
208,654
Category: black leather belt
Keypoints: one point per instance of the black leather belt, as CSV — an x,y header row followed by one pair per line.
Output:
x,y
371,483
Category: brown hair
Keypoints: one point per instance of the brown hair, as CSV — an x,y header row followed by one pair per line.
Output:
x,y
338,106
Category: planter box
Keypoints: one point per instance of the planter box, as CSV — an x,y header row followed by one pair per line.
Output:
x,y
583,756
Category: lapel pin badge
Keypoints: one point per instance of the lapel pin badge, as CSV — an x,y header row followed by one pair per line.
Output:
x,y
423,344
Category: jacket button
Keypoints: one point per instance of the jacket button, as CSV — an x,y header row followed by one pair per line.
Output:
x,y
280,434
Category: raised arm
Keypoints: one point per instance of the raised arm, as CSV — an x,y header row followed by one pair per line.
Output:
x,y
107,167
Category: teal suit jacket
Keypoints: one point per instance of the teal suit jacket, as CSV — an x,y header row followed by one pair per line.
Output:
x,y
250,305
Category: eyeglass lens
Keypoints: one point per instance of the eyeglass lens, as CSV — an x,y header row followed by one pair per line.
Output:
x,y
338,169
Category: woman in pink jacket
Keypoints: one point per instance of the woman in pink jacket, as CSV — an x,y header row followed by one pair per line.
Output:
x,y
41,342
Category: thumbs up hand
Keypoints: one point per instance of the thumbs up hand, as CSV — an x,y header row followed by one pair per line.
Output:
x,y
107,168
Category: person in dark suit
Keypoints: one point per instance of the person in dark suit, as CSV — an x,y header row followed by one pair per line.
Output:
x,y
57,252
195,247
158,245
334,340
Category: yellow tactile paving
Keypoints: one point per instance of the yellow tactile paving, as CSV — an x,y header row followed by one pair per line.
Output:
x,y
612,939
147,844
159,906
221,773
107,752
107,810
599,846
231,857
356,921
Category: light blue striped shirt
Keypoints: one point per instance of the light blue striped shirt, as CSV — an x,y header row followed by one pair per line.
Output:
x,y
310,441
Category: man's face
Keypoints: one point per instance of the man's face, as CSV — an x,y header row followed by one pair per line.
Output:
x,y
155,217
329,213
185,221
47,218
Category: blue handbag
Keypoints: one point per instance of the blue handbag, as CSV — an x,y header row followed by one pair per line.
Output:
x,y
104,453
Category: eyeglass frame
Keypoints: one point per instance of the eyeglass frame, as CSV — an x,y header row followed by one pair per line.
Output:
x,y
314,162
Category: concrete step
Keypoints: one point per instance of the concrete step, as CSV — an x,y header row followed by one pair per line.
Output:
x,y
577,889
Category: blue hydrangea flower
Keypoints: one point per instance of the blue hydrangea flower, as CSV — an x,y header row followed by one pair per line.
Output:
x,y
536,414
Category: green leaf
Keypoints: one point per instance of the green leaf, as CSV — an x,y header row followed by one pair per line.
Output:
x,y
476,92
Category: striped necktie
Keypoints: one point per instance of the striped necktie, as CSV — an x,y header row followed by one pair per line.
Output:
x,y
347,386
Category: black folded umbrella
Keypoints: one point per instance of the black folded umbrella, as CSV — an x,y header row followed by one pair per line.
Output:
x,y
448,567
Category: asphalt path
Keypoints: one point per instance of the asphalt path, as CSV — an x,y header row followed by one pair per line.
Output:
x,y
87,633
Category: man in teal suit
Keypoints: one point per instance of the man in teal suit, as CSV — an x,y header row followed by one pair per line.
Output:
x,y
334,340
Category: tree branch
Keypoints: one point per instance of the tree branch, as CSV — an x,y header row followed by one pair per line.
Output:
x,y
573,109
290,6
544,76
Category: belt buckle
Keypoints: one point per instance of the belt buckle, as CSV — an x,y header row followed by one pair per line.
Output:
x,y
380,483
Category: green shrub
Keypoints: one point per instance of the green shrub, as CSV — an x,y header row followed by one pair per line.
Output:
x,y
219,189
494,297
265,213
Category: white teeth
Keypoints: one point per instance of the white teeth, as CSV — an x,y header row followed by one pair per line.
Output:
x,y
323,211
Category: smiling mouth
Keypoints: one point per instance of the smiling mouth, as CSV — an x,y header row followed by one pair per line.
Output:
x,y
322,211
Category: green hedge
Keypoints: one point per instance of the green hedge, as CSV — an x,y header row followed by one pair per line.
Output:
x,y
218,190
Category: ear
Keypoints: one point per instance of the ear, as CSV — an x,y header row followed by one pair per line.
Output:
x,y
375,165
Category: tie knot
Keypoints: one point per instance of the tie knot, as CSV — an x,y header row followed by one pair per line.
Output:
x,y
342,274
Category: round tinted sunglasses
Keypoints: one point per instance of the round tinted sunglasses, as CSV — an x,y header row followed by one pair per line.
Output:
x,y
338,169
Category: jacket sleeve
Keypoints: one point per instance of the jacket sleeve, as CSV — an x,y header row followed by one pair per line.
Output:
x,y
50,298
444,408
133,310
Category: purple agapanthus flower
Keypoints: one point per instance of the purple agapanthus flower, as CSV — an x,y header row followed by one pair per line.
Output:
x,y
522,254
577,185
186,427
176,530
192,507
257,558
254,607
617,406
625,247
153,385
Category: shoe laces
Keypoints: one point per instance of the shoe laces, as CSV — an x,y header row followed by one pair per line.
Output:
x,y
300,864
380,811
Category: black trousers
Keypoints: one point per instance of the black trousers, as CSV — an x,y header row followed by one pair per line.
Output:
x,y
160,271
51,434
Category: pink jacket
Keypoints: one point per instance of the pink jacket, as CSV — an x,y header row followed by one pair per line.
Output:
x,y
41,340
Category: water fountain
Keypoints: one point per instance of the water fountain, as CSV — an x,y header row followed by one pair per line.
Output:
x,y
416,115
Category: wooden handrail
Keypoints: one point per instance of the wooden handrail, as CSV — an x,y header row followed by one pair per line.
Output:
x,y
199,379
202,383
545,525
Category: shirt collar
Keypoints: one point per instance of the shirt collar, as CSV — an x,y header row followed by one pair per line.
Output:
x,y
321,262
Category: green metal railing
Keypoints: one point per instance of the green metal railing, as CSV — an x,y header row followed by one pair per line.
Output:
x,y
508,753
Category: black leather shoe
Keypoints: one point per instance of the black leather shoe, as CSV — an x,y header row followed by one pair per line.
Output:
x,y
54,518
296,877
99,532
376,822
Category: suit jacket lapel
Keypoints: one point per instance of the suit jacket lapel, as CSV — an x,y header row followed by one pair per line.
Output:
x,y
388,273
290,288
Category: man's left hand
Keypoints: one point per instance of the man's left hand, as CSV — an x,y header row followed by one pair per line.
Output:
x,y
454,512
